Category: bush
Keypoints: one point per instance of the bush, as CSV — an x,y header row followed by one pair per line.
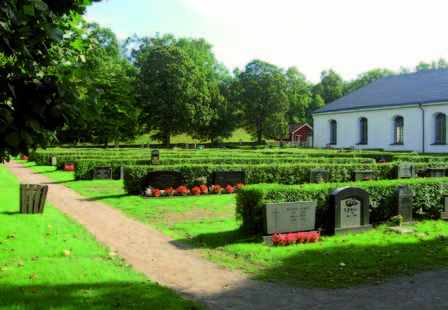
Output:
x,y
427,199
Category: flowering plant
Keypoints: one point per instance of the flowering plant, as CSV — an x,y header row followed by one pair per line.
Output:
x,y
196,190
24,157
169,191
293,238
182,190
216,189
239,185
204,189
229,189
69,168
156,192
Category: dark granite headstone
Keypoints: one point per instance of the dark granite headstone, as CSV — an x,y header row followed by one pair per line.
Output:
x,y
349,211
404,203
289,217
444,212
318,175
102,173
53,161
404,171
155,157
68,163
165,179
364,175
435,172
224,178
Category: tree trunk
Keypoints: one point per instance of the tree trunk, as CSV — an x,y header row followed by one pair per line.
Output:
x,y
167,139
105,142
117,143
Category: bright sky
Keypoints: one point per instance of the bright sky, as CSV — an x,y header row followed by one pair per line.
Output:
x,y
349,36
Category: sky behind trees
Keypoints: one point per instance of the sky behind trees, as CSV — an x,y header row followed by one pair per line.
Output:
x,y
348,36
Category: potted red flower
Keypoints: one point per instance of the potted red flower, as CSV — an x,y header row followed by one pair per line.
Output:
x,y
156,192
216,189
229,189
196,191
239,185
182,191
204,189
69,168
169,191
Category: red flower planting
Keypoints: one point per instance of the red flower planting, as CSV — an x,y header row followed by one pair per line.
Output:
x,y
204,189
216,189
196,190
239,185
182,190
169,191
229,189
293,238
69,168
156,192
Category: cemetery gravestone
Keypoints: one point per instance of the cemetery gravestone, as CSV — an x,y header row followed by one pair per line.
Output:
x,y
435,172
289,217
349,211
318,175
102,173
155,157
404,171
121,172
404,203
224,178
364,176
165,179
444,212
53,161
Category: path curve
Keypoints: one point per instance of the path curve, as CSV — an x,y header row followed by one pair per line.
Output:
x,y
157,256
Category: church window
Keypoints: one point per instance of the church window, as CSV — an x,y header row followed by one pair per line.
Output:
x,y
363,131
399,130
333,132
440,128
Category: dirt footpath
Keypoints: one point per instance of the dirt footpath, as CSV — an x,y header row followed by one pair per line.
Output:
x,y
174,265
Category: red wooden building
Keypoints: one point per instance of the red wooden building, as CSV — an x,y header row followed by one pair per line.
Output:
x,y
298,132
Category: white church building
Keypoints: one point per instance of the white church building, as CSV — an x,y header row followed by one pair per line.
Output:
x,y
403,112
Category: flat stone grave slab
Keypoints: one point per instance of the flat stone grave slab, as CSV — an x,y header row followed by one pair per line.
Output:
x,y
224,178
435,172
404,171
318,175
289,217
364,175
349,211
400,230
404,203
102,173
165,179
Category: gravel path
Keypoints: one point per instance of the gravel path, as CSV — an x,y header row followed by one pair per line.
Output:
x,y
174,265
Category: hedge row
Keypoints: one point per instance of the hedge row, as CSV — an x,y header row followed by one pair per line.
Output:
x,y
135,176
420,159
427,199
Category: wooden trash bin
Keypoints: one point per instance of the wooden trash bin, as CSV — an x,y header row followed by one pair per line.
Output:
x,y
32,198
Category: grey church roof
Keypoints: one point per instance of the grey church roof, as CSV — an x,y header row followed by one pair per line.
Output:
x,y
406,89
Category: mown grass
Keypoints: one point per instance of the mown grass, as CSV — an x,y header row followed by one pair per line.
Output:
x,y
47,261
209,225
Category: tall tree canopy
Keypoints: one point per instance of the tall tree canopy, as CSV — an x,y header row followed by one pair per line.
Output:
x,y
331,86
174,97
299,96
40,47
263,100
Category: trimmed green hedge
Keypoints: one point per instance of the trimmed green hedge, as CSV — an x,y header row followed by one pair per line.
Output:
x,y
135,179
420,159
427,199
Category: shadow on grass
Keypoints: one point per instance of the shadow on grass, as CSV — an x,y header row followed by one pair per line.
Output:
x,y
110,295
103,197
10,213
59,182
219,239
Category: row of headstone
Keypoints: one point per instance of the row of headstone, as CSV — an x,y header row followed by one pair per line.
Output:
x,y
348,212
166,179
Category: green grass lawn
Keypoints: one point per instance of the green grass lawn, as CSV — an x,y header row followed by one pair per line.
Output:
x,y
209,225
48,261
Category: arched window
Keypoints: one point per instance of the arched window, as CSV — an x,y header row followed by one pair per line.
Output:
x,y
363,131
333,132
440,128
399,130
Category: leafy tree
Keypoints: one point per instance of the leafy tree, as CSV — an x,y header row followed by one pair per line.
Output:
x,y
40,49
331,86
422,66
316,103
174,93
299,96
263,100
